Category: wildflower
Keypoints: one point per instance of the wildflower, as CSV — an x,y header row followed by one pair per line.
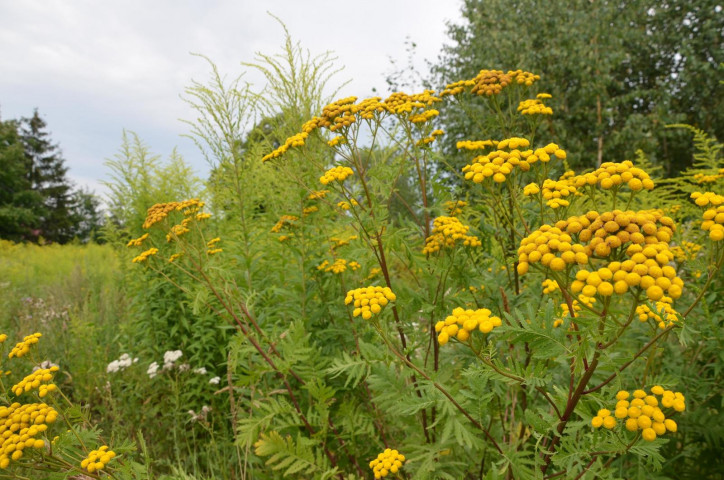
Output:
x,y
309,210
201,416
446,232
643,412
152,369
336,174
19,425
124,361
463,322
713,218
285,220
612,175
337,141
369,301
215,380
214,251
170,357
177,230
97,459
41,379
136,242
22,348
534,106
389,461
641,236
663,316
160,211
341,242
317,195
174,257
500,163
144,255
200,370
347,205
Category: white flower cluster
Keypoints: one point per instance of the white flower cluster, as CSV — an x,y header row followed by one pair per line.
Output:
x,y
152,369
124,361
215,380
170,357
201,416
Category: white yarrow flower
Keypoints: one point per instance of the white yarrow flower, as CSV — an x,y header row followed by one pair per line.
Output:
x,y
200,370
152,370
215,380
170,357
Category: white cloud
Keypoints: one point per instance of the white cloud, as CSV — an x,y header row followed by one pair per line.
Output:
x,y
94,68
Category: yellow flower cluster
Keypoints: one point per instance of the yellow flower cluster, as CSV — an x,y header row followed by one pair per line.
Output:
x,y
344,112
22,348
284,220
368,301
576,304
424,116
500,163
611,175
339,266
550,286
686,251
400,103
455,207
97,459
389,461
542,245
175,257
38,379
643,412
160,211
339,174
704,178
178,230
19,424
318,195
664,316
707,198
462,322
475,144
491,82
347,205
534,106
136,242
341,242
555,192
144,255
433,136
647,232
446,232
309,210
713,217
337,141
296,140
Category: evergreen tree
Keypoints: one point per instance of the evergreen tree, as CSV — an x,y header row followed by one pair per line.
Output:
x,y
20,205
47,173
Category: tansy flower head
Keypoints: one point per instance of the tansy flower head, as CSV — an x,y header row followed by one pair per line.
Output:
x,y
97,459
336,174
369,301
22,348
643,412
389,461
463,322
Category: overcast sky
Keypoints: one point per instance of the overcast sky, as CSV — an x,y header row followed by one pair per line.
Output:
x,y
94,68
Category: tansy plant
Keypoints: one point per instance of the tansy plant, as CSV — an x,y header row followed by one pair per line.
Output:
x,y
481,330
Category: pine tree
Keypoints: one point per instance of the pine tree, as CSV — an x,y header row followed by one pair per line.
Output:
x,y
46,171
20,206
